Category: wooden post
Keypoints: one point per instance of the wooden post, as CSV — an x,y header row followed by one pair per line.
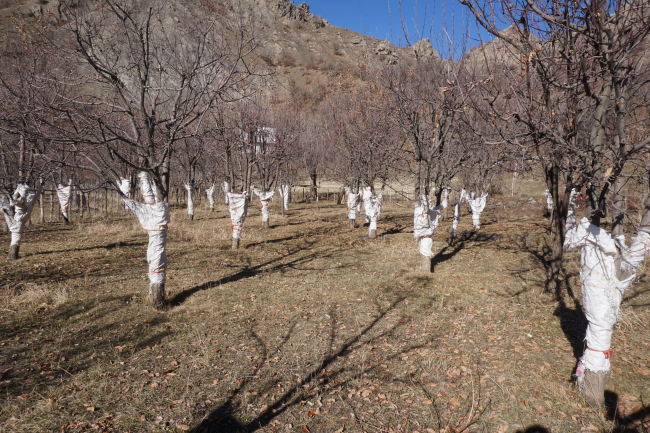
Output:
x,y
51,206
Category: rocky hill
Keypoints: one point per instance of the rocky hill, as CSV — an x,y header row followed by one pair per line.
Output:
x,y
302,50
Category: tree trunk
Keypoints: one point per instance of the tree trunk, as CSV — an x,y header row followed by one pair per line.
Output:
x,y
190,217
426,264
554,265
593,389
13,252
157,296
235,244
351,223
373,234
266,224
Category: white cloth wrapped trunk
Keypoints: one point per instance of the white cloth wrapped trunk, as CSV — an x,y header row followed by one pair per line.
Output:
x,y
146,189
210,193
238,207
190,201
602,290
373,210
23,205
571,211
445,198
549,200
154,218
454,225
285,193
477,205
125,187
226,190
425,223
354,203
366,196
63,194
265,198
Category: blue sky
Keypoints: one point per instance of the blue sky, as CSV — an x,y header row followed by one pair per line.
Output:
x,y
374,18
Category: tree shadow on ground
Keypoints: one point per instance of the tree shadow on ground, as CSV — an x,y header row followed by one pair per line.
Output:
x,y
535,429
636,422
573,321
325,373
443,255
265,267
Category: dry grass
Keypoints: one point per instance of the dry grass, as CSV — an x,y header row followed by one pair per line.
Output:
x,y
307,325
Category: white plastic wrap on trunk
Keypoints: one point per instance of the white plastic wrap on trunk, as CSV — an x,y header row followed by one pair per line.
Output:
x,y
238,206
265,198
226,190
374,210
154,218
477,206
571,211
145,188
425,223
445,198
354,203
210,193
285,193
190,201
23,205
63,194
366,196
454,224
602,291
549,200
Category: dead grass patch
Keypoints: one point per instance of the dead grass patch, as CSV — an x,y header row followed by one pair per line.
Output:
x,y
307,325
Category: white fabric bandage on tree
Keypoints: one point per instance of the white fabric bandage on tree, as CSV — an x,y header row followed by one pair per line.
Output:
x,y
154,218
571,210
23,204
425,223
445,198
190,201
210,193
477,206
238,207
374,210
354,203
285,193
602,291
265,198
226,190
454,225
125,187
63,194
366,196
146,189
549,200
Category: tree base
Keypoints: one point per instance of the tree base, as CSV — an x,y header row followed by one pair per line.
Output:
x,y
351,224
426,264
373,234
593,389
157,296
66,221
266,224
190,217
235,244
211,209
13,252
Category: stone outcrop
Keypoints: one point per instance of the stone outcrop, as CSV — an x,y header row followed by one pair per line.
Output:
x,y
387,52
424,50
288,9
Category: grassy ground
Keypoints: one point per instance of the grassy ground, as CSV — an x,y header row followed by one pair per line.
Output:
x,y
307,328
